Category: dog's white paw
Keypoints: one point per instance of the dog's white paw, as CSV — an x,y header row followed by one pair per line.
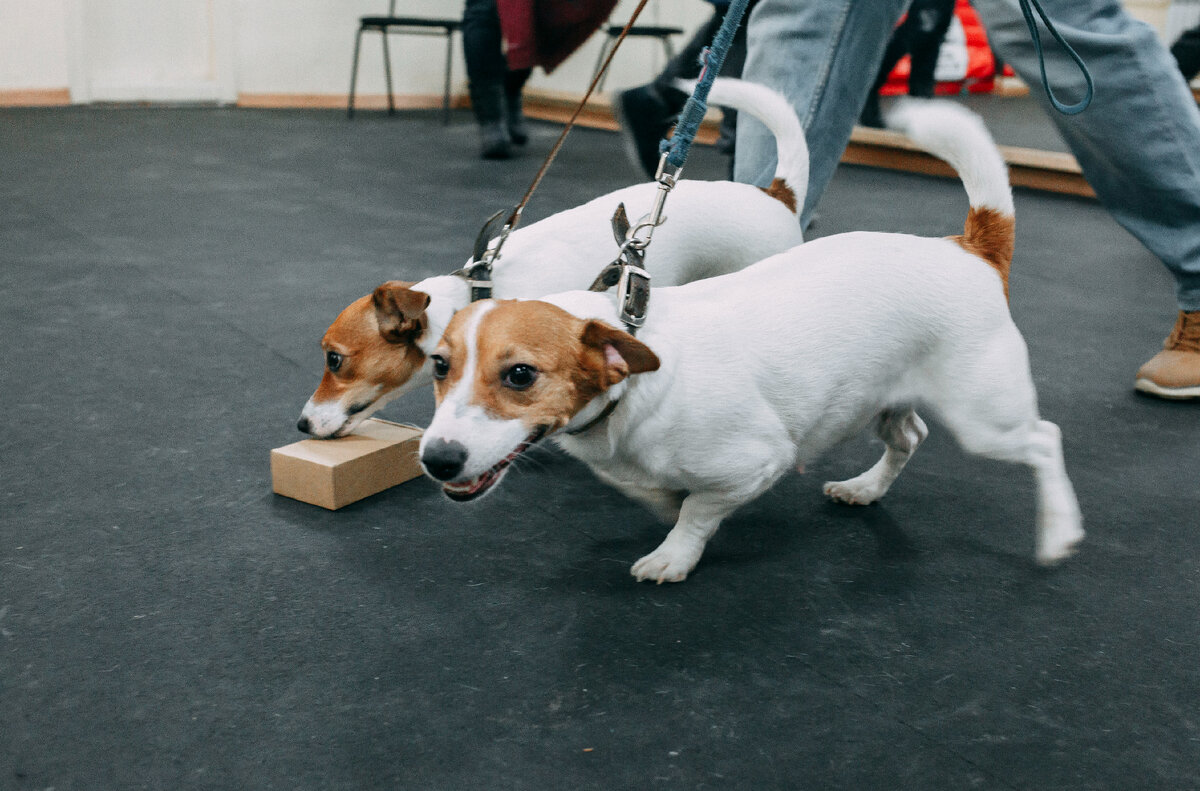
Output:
x,y
1059,536
863,490
671,562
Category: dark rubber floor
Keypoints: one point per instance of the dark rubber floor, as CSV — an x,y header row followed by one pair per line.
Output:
x,y
168,623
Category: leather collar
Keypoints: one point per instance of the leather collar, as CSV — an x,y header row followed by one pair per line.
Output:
x,y
604,413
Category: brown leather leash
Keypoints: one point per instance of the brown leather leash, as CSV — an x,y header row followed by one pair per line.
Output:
x,y
479,274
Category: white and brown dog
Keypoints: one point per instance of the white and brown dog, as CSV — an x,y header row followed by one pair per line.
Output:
x,y
378,347
732,381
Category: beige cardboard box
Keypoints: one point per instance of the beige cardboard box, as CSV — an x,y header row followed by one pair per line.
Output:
x,y
334,472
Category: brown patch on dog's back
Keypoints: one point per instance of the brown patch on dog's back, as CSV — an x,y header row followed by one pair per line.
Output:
x,y
990,235
780,191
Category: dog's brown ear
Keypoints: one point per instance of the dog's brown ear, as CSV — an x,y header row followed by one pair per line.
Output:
x,y
399,311
623,354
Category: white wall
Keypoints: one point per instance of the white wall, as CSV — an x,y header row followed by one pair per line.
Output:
x,y
33,44
638,60
168,50
217,49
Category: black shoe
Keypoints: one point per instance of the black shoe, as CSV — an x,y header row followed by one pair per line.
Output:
x,y
494,141
871,116
518,130
644,118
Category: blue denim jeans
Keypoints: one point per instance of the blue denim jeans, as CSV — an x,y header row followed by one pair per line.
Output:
x,y
1138,143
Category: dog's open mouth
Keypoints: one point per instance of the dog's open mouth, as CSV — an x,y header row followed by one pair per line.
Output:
x,y
480,484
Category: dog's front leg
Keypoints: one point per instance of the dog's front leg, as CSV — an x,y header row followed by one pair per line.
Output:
x,y
664,503
699,517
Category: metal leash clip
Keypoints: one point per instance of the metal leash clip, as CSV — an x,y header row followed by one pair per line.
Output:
x,y
484,255
633,294
666,182
627,272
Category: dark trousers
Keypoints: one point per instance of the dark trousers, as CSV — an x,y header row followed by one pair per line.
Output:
x,y
490,81
919,35
1187,53
686,64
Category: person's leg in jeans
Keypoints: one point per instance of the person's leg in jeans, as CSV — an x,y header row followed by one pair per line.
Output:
x,y
822,55
1138,145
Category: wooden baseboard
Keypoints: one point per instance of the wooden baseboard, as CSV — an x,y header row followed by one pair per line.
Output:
x,y
1049,171
558,106
35,97
334,101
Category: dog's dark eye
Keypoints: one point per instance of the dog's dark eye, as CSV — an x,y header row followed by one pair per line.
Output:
x,y
520,376
333,361
440,366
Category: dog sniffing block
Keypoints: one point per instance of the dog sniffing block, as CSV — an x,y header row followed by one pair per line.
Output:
x,y
332,473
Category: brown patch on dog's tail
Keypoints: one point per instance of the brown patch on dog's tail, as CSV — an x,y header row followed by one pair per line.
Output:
x,y
990,235
780,191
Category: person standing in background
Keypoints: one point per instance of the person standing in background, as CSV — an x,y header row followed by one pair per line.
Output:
x,y
919,36
495,88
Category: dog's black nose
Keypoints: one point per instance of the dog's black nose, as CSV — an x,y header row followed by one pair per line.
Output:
x,y
304,425
444,459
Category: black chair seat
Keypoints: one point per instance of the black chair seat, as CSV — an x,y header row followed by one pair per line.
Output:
x,y
612,34
409,21
659,31
389,23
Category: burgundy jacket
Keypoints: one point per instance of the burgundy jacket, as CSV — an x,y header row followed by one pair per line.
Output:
x,y
544,32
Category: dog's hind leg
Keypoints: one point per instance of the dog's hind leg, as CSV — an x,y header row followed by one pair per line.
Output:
x,y
992,411
902,433
1039,445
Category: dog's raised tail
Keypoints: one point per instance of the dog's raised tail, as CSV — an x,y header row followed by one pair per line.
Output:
x,y
790,185
957,135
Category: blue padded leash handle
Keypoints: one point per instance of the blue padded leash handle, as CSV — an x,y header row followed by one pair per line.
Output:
x,y
1065,109
676,148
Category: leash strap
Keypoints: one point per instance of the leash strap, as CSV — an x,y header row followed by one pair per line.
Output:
x,y
628,271
1027,8
713,57
479,274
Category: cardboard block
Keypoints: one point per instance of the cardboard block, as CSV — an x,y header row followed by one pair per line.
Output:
x,y
332,473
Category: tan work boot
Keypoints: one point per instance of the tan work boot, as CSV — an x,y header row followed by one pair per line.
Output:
x,y
1175,371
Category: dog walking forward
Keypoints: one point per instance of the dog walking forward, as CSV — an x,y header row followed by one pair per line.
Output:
x,y
733,381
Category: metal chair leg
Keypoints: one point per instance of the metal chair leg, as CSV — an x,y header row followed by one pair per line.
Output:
x,y
600,60
446,88
387,72
354,74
